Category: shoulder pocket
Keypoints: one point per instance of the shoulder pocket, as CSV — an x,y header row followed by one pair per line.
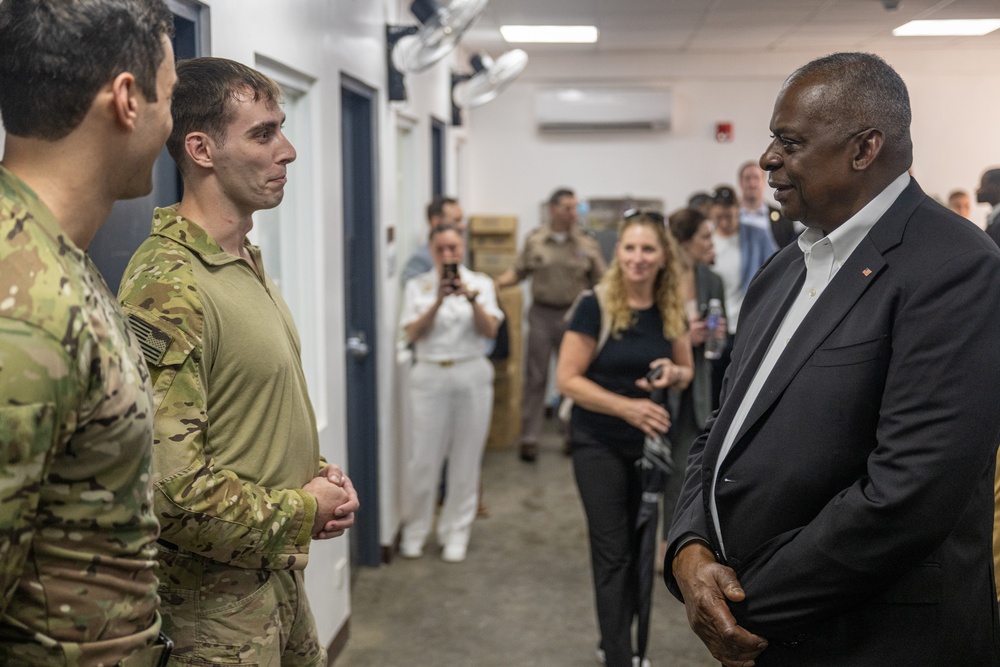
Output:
x,y
162,343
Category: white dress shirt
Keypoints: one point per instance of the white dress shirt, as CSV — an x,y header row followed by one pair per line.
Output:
x,y
729,266
823,255
453,336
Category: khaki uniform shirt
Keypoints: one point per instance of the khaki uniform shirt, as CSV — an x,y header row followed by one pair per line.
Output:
x,y
235,437
559,271
77,582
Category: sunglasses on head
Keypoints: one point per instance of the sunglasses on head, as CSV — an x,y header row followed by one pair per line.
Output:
x,y
634,213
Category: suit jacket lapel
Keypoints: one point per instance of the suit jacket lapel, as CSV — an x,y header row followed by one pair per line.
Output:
x,y
759,333
858,273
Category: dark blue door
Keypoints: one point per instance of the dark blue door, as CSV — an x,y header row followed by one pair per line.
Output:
x,y
358,134
129,223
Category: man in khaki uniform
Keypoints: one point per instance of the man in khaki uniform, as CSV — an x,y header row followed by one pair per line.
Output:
x,y
85,120
562,262
240,488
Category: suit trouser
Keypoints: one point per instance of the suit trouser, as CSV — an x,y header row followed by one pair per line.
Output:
x,y
611,490
451,419
546,326
218,613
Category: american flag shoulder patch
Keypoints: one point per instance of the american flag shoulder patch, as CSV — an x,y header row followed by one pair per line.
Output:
x,y
153,341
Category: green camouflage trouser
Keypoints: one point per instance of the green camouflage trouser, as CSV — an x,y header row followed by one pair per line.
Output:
x,y
216,613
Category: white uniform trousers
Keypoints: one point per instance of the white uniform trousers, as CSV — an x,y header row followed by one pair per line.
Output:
x,y
451,407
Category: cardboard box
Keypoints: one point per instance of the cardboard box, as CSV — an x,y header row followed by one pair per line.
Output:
x,y
505,425
493,224
493,263
493,243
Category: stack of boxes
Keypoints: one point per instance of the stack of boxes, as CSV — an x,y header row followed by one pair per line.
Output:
x,y
493,249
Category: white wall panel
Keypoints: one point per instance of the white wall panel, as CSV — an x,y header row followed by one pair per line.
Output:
x,y
514,168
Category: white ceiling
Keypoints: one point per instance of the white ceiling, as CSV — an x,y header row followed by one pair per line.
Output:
x,y
721,26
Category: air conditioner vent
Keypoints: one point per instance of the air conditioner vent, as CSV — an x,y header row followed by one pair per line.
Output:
x,y
566,110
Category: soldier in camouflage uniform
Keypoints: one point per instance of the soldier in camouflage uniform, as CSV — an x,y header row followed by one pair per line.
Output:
x,y
85,120
240,488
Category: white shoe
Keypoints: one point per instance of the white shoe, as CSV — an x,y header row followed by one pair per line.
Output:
x,y
454,553
410,550
600,656
645,662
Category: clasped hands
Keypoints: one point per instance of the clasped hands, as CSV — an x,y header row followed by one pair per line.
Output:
x,y
707,586
336,502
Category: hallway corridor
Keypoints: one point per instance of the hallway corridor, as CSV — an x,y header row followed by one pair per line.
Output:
x,y
522,597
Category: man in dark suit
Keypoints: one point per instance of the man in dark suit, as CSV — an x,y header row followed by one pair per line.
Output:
x,y
838,512
989,193
755,212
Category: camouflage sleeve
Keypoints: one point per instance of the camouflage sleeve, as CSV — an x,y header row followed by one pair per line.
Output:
x,y
36,386
202,507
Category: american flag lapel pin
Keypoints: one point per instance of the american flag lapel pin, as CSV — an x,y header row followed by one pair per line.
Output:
x,y
866,272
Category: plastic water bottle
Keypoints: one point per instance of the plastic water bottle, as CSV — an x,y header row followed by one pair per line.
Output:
x,y
714,342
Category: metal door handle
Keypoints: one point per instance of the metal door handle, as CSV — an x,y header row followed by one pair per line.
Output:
x,y
357,345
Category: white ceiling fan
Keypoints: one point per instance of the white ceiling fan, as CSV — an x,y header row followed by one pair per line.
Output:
x,y
488,79
415,48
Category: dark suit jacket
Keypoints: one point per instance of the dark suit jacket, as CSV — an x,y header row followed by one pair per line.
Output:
x,y
993,231
782,229
856,503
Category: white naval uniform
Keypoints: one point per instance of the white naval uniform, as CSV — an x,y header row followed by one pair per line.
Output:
x,y
451,395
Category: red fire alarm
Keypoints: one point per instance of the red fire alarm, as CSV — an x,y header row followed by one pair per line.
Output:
x,y
723,132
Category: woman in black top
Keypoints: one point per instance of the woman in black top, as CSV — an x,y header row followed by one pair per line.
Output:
x,y
633,322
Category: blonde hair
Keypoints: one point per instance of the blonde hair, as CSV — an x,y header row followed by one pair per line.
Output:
x,y
666,289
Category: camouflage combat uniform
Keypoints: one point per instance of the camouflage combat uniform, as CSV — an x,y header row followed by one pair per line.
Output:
x,y
235,440
77,579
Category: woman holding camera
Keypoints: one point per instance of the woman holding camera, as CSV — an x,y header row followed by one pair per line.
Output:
x,y
633,322
449,314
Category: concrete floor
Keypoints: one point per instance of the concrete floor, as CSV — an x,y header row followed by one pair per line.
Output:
x,y
522,597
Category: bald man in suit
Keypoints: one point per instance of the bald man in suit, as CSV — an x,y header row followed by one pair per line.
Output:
x,y
839,510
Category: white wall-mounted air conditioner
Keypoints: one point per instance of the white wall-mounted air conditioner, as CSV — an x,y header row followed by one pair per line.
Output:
x,y
603,109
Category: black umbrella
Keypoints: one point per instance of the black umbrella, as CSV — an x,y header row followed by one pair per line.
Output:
x,y
656,464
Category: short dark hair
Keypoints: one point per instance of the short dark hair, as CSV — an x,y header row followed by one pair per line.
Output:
x,y
202,100
991,175
442,228
867,93
684,223
724,195
55,56
559,194
699,199
436,207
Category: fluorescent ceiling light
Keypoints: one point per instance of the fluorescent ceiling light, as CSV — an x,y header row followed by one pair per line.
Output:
x,y
947,28
549,34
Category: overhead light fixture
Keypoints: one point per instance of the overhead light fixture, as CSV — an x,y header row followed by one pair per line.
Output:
x,y
947,28
549,34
